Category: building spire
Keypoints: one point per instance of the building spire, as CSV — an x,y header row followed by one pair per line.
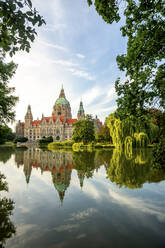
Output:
x,y
61,195
81,112
62,93
28,116
81,177
81,108
29,109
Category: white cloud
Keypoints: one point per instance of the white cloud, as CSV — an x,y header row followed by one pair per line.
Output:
x,y
55,27
24,209
80,236
90,189
52,45
90,95
81,56
66,63
102,111
143,206
83,214
111,92
81,74
24,228
68,227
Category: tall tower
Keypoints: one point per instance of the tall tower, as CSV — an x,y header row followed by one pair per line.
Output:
x,y
81,112
28,117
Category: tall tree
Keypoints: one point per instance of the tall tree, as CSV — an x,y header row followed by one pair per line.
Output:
x,y
145,29
7,100
17,21
144,61
84,130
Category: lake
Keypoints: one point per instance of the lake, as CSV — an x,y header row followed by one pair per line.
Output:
x,y
83,199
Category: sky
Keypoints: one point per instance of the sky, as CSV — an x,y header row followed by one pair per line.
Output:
x,y
76,49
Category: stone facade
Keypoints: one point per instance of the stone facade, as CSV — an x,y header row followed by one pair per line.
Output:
x,y
59,125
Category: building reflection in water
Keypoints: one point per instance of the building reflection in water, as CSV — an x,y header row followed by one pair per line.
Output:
x,y
129,170
59,164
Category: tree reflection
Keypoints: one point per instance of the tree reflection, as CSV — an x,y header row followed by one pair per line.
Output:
x,y
126,168
84,163
5,154
7,228
132,170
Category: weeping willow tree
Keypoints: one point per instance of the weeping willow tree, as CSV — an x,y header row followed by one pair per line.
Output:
x,y
131,132
121,131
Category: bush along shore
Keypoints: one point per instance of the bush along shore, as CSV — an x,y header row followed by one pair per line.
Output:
x,y
70,144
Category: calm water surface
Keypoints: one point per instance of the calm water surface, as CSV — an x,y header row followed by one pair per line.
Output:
x,y
84,199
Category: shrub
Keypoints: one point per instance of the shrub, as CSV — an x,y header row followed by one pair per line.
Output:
x,y
159,153
67,143
21,139
46,140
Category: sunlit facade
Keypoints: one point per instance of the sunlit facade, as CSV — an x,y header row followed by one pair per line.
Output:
x,y
59,125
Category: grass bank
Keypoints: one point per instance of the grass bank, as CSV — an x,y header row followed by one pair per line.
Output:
x,y
61,144
69,144
8,144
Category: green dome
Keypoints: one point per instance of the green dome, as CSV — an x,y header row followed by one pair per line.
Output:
x,y
62,101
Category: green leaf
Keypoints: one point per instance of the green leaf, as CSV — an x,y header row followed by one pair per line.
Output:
x,y
20,4
30,3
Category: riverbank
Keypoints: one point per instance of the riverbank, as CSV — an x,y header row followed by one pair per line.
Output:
x,y
7,144
76,146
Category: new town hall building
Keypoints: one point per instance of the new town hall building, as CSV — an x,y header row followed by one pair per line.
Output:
x,y
59,125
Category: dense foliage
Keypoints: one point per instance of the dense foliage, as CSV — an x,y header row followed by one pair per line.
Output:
x,y
144,60
84,131
103,134
131,131
21,139
17,21
46,140
7,100
5,134
159,153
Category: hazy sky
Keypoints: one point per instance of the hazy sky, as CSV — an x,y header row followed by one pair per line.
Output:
x,y
77,49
